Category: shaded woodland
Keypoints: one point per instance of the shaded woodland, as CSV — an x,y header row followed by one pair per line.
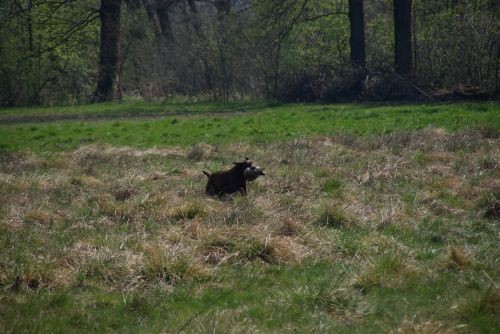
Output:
x,y
71,52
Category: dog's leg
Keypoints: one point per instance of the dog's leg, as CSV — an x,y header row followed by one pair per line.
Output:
x,y
210,189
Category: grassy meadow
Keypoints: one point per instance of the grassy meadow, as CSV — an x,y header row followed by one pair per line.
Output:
x,y
189,124
371,218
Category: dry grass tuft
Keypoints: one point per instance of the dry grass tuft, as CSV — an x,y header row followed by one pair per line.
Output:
x,y
283,250
105,205
457,258
334,217
426,327
162,265
27,281
106,153
188,211
124,194
195,229
254,248
486,306
376,244
201,152
64,278
250,247
490,303
88,263
27,276
386,270
39,216
288,227
86,181
226,321
467,140
217,251
345,305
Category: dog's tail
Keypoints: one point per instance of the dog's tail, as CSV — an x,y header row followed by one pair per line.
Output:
x,y
206,173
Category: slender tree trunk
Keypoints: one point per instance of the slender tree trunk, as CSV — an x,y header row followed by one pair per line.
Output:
x,y
223,7
497,71
149,6
402,33
224,79
31,83
357,38
109,60
162,10
415,44
30,24
197,28
277,61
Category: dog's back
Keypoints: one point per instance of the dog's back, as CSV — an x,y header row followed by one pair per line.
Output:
x,y
228,182
225,182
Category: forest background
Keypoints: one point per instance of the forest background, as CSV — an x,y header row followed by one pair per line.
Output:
x,y
55,52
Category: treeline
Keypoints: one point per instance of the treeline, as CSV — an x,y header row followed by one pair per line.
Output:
x,y
68,51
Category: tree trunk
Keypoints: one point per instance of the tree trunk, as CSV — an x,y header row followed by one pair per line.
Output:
x,y
415,45
223,7
224,79
109,59
162,10
402,34
357,38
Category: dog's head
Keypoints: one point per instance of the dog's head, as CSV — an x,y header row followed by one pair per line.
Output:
x,y
250,171
253,172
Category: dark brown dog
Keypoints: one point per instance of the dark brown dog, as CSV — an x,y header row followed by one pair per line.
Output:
x,y
230,181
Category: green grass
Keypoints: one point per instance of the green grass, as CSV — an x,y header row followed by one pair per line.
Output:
x,y
300,298
251,288
111,109
362,223
260,123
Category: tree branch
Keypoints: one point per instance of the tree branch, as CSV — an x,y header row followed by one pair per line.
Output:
x,y
91,16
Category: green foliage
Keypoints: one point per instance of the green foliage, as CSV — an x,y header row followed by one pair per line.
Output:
x,y
293,50
321,43
48,52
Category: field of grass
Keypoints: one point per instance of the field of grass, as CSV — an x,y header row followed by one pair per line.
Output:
x,y
226,123
370,219
131,108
